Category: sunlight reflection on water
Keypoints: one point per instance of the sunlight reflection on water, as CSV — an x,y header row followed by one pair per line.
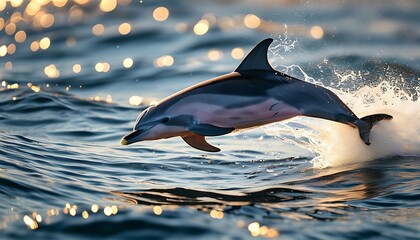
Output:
x,y
75,74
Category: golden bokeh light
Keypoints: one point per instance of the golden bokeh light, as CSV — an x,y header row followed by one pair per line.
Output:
x,y
114,209
47,20
34,46
124,28
168,60
50,212
38,218
102,67
30,223
98,29
51,71
108,5
157,210
252,21
36,89
201,27
77,68
216,214
99,67
317,32
107,211
107,67
11,49
214,54
20,36
254,227
85,214
256,230
128,62
161,14
3,50
94,208
237,53
164,61
213,213
13,86
135,100
10,29
44,43
8,65
73,212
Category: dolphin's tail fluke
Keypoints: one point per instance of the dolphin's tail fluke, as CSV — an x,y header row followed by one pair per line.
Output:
x,y
365,124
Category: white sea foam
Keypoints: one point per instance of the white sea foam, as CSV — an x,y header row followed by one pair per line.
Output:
x,y
334,144
341,145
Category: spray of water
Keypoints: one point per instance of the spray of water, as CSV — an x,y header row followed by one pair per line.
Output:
x,y
400,136
335,144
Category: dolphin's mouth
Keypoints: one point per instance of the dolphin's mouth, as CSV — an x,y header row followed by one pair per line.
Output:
x,y
134,136
126,139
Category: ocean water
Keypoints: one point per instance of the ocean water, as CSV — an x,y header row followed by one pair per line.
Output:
x,y
74,77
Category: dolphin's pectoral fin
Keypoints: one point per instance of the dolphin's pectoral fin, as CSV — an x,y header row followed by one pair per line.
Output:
x,y
198,142
209,130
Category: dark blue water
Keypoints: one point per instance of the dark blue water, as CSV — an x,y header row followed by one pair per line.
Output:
x,y
60,155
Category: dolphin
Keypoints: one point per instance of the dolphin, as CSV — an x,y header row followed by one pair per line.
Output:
x,y
253,95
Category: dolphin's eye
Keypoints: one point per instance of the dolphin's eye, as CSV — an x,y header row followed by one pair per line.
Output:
x,y
165,120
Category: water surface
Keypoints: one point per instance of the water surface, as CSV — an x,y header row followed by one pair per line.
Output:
x,y
64,174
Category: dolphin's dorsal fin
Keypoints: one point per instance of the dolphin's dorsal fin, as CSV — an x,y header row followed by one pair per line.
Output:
x,y
257,58
198,142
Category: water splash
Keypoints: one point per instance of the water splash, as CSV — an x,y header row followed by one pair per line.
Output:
x,y
335,144
341,144
283,43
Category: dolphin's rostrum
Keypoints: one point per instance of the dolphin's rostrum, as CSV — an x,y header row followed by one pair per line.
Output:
x,y
254,94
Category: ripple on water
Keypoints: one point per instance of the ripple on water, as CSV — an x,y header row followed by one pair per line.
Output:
x,y
64,174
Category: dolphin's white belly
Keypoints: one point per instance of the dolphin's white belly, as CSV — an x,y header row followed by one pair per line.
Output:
x,y
218,113
253,115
